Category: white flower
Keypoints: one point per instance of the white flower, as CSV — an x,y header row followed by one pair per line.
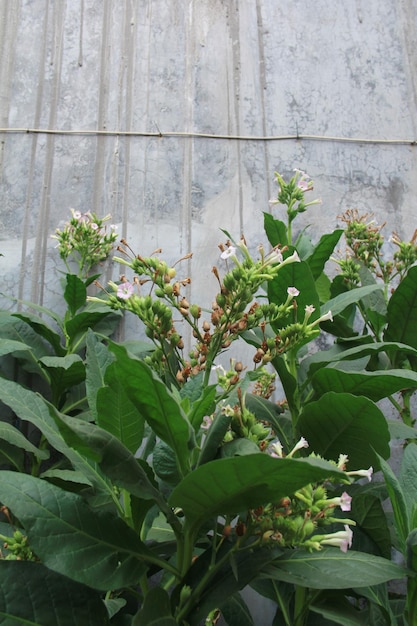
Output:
x,y
276,449
362,473
230,251
302,443
125,291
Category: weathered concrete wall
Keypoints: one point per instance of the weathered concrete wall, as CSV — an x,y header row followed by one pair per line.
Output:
x,y
249,68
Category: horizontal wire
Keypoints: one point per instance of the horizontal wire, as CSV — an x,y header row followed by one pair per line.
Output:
x,y
195,135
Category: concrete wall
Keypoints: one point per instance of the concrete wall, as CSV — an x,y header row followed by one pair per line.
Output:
x,y
248,68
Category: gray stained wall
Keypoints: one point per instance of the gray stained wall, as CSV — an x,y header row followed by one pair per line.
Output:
x,y
200,102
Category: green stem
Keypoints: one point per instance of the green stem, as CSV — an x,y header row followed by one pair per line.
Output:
x,y
281,604
300,606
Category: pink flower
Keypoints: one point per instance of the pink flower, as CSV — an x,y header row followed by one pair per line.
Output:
x,y
125,291
94,226
293,292
343,501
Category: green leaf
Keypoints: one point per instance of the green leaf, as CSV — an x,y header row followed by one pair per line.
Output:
x,y
44,331
339,303
214,438
371,520
235,484
402,311
235,611
31,407
12,456
337,608
322,252
398,503
83,321
343,423
156,610
75,293
115,460
239,447
275,230
34,595
64,371
373,385
116,413
156,404
98,358
204,405
69,537
332,569
13,436
408,476
294,275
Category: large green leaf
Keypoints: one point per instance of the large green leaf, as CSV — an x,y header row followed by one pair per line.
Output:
x,y
235,611
156,404
339,303
115,459
83,321
322,252
373,385
116,413
31,407
372,533
341,423
332,569
45,331
13,436
156,610
294,275
236,484
98,358
34,595
402,311
75,293
337,608
97,549
64,371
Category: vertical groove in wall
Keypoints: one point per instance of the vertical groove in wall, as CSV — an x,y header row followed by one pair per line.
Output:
x,y
146,83
33,150
262,91
81,36
236,61
42,230
9,21
103,87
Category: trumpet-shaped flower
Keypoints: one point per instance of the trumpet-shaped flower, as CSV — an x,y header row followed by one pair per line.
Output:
x,y
344,501
302,443
125,290
293,292
341,539
362,473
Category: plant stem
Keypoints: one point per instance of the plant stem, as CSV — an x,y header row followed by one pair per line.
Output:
x,y
300,605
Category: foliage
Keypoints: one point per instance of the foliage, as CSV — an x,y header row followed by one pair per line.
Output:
x,y
145,483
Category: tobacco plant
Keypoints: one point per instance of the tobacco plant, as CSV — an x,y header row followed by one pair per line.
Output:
x,y
181,475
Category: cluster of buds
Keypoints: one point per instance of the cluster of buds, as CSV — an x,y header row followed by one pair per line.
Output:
x,y
245,425
406,255
363,237
296,520
17,548
291,194
86,238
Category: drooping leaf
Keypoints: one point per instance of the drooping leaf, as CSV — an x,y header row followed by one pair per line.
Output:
x,y
32,594
99,550
13,436
64,371
235,484
337,608
214,438
45,331
156,404
374,385
372,533
81,322
343,423
115,460
339,303
330,568
33,408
